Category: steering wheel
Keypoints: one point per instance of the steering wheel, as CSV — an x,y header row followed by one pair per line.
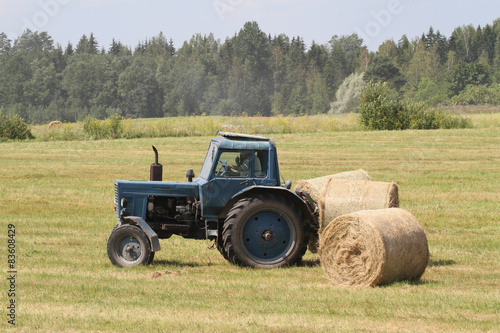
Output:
x,y
222,169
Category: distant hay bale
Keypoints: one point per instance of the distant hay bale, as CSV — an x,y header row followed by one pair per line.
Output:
x,y
376,247
54,124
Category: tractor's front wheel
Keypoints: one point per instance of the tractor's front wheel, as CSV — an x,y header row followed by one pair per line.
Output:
x,y
128,246
264,231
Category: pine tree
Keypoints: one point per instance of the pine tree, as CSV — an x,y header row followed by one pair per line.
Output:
x,y
496,68
5,45
87,45
69,50
335,70
488,39
382,69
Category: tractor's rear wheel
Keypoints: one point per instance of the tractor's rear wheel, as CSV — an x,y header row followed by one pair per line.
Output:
x,y
128,246
264,231
220,247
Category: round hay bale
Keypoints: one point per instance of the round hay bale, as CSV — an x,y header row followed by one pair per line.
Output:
x,y
315,186
376,247
354,174
55,123
335,197
344,196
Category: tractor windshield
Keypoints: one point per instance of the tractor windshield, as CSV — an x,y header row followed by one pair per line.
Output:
x,y
241,164
209,159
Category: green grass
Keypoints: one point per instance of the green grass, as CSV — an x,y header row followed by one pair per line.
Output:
x,y
60,194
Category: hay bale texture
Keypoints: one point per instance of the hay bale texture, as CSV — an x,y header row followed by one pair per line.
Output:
x,y
55,123
376,247
344,196
335,196
315,186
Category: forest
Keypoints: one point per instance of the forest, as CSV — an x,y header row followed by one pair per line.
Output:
x,y
251,73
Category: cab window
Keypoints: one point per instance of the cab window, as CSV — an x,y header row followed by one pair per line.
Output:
x,y
260,164
232,164
241,164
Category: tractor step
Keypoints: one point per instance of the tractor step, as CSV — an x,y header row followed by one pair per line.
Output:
x,y
212,233
175,228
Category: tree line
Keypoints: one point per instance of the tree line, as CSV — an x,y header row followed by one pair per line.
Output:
x,y
251,73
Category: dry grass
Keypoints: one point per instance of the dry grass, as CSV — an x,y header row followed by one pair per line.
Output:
x,y
481,117
207,126
472,109
60,197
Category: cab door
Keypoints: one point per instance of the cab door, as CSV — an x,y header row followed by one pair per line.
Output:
x,y
230,174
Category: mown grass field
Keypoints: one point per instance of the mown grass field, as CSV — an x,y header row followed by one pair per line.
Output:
x,y
59,196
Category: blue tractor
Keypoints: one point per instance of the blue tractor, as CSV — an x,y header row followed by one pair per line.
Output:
x,y
237,201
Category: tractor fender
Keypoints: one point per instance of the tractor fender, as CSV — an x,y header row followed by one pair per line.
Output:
x,y
257,189
152,236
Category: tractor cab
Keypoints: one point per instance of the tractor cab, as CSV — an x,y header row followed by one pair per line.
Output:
x,y
235,162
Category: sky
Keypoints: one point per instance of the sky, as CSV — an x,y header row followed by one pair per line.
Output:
x,y
134,21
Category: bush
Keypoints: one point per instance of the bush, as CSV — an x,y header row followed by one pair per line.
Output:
x,y
14,128
66,132
111,128
381,110
477,95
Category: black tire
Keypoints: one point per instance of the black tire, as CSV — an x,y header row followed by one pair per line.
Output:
x,y
129,246
264,231
151,257
220,247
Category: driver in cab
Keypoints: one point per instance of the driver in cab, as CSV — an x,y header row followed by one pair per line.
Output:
x,y
243,163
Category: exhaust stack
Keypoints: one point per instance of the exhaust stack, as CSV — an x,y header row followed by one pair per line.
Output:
x,y
156,170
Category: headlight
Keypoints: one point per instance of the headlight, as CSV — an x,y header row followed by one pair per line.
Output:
x,y
123,203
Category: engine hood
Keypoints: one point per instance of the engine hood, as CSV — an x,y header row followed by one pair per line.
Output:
x,y
157,188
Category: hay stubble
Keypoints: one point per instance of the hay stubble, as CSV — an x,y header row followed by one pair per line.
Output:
x,y
67,283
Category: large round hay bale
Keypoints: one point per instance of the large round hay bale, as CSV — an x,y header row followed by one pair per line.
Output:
x,y
373,247
315,188
335,197
344,196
